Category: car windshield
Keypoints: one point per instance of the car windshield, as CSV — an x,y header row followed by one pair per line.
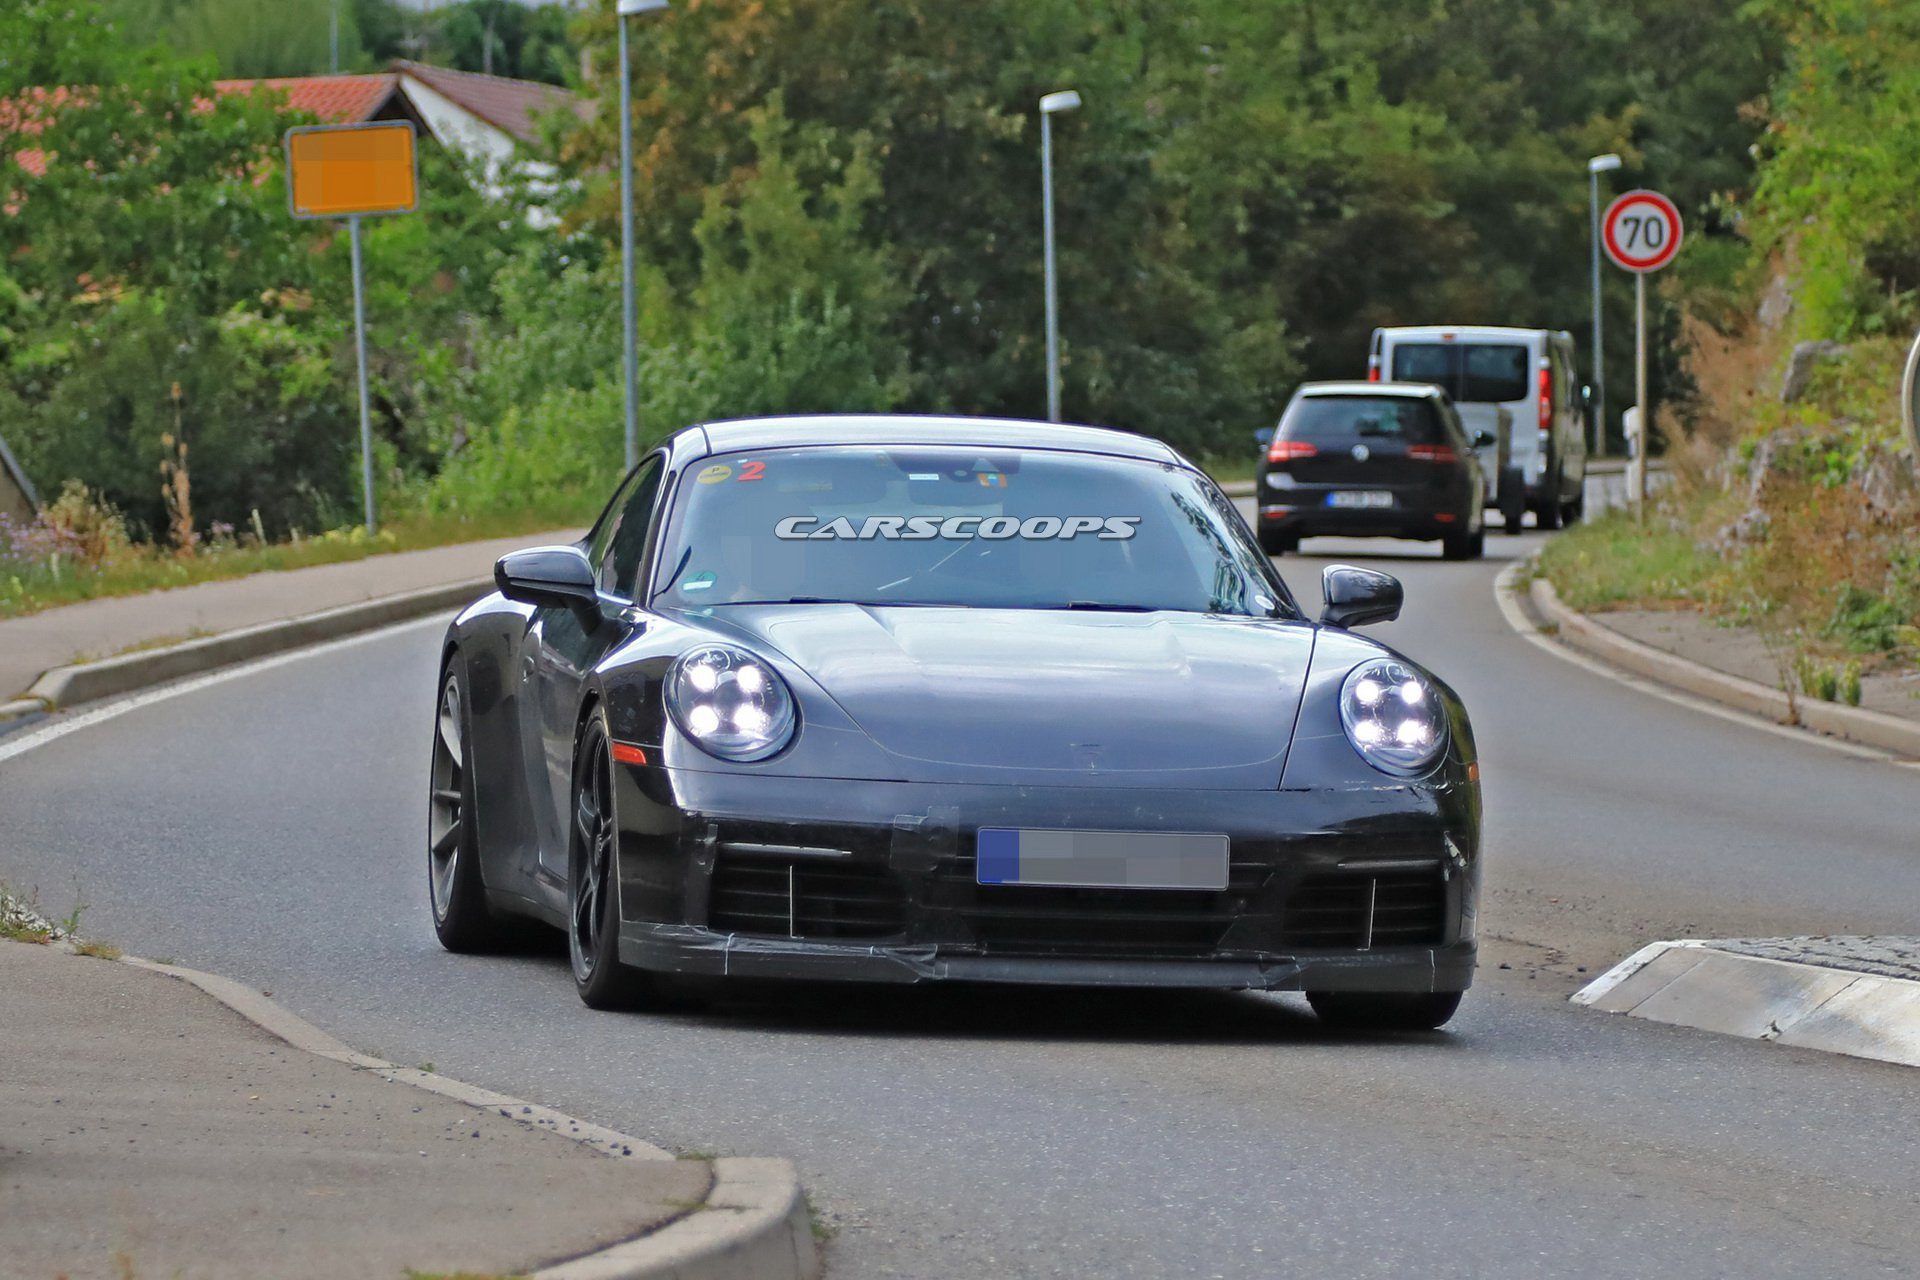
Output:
x,y
1349,420
1470,372
988,528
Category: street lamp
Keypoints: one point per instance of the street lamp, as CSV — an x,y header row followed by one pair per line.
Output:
x,y
1595,167
629,321
1065,100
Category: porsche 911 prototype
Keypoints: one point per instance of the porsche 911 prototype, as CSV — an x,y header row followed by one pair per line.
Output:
x,y
898,700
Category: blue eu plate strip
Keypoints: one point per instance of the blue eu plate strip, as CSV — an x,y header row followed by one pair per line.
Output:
x,y
998,855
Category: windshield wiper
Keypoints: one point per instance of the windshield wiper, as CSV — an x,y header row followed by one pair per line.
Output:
x,y
1101,606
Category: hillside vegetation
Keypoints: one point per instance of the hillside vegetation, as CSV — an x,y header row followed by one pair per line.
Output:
x,y
1794,506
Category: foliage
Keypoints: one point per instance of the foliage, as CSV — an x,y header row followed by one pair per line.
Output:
x,y
1835,193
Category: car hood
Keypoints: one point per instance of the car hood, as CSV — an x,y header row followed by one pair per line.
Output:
x,y
1038,691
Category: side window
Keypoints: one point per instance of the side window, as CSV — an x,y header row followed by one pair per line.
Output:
x,y
618,548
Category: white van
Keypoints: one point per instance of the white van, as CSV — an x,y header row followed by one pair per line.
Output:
x,y
1527,372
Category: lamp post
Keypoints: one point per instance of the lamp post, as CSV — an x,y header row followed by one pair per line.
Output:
x,y
628,320
1595,167
1065,100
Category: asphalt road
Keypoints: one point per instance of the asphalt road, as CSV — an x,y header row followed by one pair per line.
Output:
x,y
269,827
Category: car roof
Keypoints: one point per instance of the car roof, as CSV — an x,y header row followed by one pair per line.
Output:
x,y
1412,390
1468,331
885,429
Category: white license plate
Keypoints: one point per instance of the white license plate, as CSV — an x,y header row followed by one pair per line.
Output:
x,y
1102,859
1360,498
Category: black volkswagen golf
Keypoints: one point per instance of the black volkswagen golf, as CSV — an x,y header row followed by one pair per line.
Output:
x,y
911,699
1373,459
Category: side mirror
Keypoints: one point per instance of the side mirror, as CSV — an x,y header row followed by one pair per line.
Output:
x,y
1263,436
1356,597
548,576
1483,438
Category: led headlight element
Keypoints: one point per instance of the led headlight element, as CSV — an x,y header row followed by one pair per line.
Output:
x,y
730,703
1392,717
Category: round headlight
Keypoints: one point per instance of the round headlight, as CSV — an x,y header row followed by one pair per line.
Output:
x,y
1393,717
730,703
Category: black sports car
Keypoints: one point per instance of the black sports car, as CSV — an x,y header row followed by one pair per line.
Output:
x,y
897,699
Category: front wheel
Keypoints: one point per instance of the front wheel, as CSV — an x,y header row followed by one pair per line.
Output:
x,y
1385,1010
461,918
593,881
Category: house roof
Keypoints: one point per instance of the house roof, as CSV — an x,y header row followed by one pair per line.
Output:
x,y
335,99
510,105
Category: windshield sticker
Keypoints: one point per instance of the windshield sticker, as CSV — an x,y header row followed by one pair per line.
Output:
x,y
700,582
751,471
956,528
715,474
992,480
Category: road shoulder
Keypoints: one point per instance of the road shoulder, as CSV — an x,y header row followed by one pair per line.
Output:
x,y
150,1127
1534,609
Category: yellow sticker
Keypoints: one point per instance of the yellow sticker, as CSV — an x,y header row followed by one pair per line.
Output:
x,y
715,474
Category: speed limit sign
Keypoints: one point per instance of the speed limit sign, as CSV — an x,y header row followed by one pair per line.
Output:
x,y
1641,231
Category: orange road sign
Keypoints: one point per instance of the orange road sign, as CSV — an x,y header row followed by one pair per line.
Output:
x,y
340,171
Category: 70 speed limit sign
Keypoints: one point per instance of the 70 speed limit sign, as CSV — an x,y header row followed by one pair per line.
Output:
x,y
1641,231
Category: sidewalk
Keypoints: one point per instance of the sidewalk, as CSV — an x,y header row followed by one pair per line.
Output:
x,y
147,1131
99,629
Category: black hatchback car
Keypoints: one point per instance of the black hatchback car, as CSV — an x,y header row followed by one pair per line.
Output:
x,y
1372,459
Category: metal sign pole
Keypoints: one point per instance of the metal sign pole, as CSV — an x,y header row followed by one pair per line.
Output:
x,y
360,351
1645,417
629,324
1053,283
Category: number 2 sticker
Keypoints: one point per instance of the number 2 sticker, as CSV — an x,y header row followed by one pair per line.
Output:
x,y
751,471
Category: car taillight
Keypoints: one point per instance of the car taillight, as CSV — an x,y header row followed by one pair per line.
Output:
x,y
1373,370
1546,403
1432,453
1290,450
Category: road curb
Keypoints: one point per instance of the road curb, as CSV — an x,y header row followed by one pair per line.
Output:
x,y
1853,724
753,1225
66,686
1690,982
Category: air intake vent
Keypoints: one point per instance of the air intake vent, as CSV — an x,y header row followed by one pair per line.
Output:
x,y
1350,912
804,898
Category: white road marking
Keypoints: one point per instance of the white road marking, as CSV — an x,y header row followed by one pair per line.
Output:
x,y
60,728
1507,597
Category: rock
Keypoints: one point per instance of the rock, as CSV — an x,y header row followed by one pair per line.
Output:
x,y
1886,479
1777,304
1800,366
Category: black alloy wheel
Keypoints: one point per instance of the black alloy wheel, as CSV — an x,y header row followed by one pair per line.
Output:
x,y
461,918
593,881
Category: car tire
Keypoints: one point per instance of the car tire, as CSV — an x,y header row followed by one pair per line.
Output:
x,y
1463,545
1576,507
1547,514
593,882
1513,501
1275,543
1385,1010
456,894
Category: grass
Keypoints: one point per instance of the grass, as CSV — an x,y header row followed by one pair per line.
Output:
x,y
1616,562
146,568
1230,469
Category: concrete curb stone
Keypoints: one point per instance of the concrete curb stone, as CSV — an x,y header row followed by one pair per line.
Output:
x,y
67,686
1694,982
1870,728
753,1225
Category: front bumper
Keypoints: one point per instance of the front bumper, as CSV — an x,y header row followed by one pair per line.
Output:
x,y
1369,888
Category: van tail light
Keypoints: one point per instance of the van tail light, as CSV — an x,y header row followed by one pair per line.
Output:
x,y
1373,369
1442,453
1290,451
1546,403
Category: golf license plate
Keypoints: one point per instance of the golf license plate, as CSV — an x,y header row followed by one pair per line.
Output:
x,y
1102,859
1360,498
